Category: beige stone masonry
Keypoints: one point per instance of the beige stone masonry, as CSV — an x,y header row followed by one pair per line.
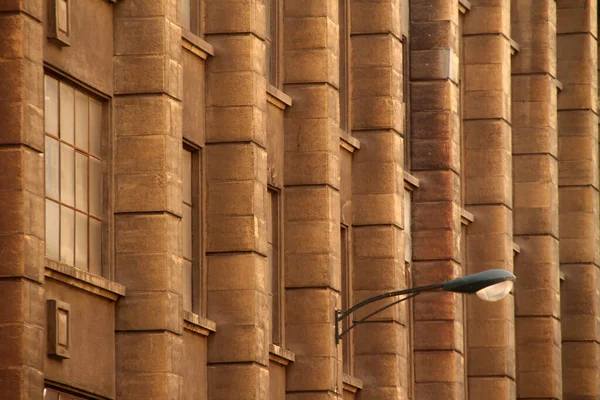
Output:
x,y
147,104
577,57
236,183
535,186
23,318
488,193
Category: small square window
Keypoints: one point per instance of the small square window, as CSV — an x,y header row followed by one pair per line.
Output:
x,y
59,21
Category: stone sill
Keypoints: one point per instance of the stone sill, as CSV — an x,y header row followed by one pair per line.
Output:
x,y
84,280
464,6
278,98
196,45
411,182
516,248
349,142
280,355
514,47
466,218
351,384
198,324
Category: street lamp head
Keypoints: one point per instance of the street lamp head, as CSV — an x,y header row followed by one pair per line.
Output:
x,y
490,285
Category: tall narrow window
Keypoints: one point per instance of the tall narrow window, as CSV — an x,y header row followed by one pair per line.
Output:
x,y
405,20
73,158
191,228
408,275
51,394
272,42
274,264
191,16
347,355
344,65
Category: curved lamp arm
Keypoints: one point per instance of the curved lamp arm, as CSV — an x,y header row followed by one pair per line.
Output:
x,y
490,285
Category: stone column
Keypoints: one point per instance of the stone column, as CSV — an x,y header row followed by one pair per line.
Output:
x,y
312,205
577,60
535,167
236,174
377,193
488,169
22,318
436,161
147,185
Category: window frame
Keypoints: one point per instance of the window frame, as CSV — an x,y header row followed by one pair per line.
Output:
x,y
198,261
345,81
196,18
106,219
346,298
277,274
272,41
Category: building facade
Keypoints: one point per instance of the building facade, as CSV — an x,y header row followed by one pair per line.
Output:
x,y
189,189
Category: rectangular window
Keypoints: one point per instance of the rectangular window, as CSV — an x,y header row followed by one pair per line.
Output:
x,y
51,394
73,158
274,264
347,356
408,280
406,80
191,231
191,16
272,42
344,65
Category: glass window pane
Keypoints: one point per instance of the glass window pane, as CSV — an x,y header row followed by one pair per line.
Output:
x,y
407,227
95,248
187,231
187,285
96,128
187,176
51,105
51,159
81,241
81,120
50,394
186,13
62,16
67,110
81,181
268,56
63,337
67,235
67,175
52,229
95,185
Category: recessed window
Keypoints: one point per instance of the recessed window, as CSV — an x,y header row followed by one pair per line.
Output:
x,y
52,394
274,264
347,354
73,157
344,65
191,16
191,228
272,42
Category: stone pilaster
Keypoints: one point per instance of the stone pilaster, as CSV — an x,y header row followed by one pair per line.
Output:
x,y
22,318
535,167
577,58
312,213
147,186
488,194
377,110
436,161
236,174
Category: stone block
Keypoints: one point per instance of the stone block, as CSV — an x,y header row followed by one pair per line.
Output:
x,y
148,192
434,155
24,349
145,272
311,340
140,36
434,65
238,53
236,198
438,366
492,388
377,242
235,17
438,335
312,373
24,256
489,189
485,49
236,162
312,270
490,361
27,305
377,178
149,352
311,203
380,369
150,310
432,272
310,306
147,233
235,233
248,381
311,66
436,306
314,168
434,216
576,20
141,74
378,113
313,101
226,89
377,209
235,124
429,11
239,343
433,96
309,33
375,17
435,245
375,51
376,82
437,186
239,307
132,385
487,104
580,369
380,338
433,35
439,390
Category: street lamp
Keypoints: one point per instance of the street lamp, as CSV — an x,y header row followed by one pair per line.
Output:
x,y
490,285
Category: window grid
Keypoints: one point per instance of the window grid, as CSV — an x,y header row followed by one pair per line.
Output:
x,y
73,125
